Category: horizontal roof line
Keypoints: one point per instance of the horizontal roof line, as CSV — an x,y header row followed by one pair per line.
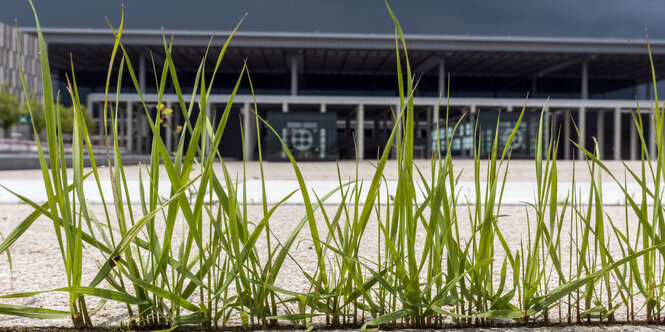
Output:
x,y
202,33
516,103
357,40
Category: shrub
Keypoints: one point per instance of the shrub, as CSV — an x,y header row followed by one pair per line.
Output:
x,y
9,109
66,117
33,107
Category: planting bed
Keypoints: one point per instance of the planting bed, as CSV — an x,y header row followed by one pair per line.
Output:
x,y
36,255
403,246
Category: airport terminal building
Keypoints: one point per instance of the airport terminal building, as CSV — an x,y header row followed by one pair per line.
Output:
x,y
322,90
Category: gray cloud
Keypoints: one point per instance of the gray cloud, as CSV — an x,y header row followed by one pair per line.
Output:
x,y
564,18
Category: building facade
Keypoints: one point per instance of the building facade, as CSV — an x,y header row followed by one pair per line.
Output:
x,y
306,81
9,69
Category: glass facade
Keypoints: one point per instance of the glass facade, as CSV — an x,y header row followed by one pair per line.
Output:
x,y
464,138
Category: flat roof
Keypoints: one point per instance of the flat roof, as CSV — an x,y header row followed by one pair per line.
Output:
x,y
374,54
357,41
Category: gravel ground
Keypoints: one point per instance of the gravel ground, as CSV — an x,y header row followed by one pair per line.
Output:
x,y
615,328
37,264
592,328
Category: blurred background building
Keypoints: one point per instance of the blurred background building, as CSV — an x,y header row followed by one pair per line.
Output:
x,y
324,73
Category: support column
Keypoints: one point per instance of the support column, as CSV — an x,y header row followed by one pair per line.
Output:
x,y
633,142
472,118
617,133
398,112
142,133
169,130
436,127
585,81
360,131
546,128
429,131
566,135
554,128
129,127
285,107
249,129
600,134
142,73
294,75
442,78
581,126
384,126
416,123
91,110
653,154
207,139
322,108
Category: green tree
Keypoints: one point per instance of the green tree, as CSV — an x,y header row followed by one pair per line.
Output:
x,y
66,116
9,109
35,106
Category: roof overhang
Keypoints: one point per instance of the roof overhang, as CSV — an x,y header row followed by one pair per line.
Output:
x,y
357,41
623,60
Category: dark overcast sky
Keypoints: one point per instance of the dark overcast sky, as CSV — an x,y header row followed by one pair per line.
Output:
x,y
558,18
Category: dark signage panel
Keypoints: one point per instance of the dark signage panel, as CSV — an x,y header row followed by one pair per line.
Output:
x,y
308,136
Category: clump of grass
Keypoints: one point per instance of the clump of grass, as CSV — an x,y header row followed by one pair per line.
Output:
x,y
198,263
